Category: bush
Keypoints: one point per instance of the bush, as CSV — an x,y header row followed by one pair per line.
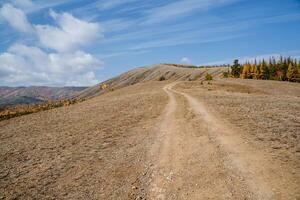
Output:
x,y
225,74
208,77
162,78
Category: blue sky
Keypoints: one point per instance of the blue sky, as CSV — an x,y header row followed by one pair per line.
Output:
x,y
83,42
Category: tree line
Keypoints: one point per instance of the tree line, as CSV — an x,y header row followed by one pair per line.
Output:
x,y
282,69
19,110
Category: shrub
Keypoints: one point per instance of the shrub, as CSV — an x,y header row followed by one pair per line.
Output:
x,y
162,78
208,77
225,74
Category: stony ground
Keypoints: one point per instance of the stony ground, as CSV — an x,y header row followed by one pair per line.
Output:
x,y
231,139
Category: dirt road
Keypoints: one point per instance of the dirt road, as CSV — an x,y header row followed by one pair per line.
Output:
x,y
198,156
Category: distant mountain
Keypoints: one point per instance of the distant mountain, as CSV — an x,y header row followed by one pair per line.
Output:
x,y
10,96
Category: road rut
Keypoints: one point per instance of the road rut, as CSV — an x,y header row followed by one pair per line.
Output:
x,y
199,156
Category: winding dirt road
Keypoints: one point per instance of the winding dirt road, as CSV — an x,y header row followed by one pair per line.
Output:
x,y
198,156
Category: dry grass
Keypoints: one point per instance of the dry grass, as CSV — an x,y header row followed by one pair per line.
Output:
x,y
267,112
99,148
91,150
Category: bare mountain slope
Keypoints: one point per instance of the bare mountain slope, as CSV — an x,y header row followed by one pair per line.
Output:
x,y
152,73
35,94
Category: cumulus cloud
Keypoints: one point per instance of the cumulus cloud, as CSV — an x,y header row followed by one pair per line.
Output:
x,y
28,65
16,18
185,60
71,33
58,60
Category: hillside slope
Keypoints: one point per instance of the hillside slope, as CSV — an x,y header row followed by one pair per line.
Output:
x,y
230,139
152,73
35,94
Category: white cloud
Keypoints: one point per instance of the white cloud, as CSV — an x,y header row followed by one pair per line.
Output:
x,y
27,65
23,3
117,25
63,63
185,60
30,6
177,9
105,5
16,18
71,33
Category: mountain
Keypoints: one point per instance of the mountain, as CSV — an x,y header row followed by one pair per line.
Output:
x,y
10,96
173,72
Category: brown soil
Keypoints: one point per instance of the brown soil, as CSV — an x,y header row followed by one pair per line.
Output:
x,y
232,139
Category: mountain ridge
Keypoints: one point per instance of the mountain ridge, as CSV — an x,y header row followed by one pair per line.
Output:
x,y
11,96
169,72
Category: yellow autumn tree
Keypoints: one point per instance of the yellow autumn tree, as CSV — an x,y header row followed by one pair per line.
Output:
x,y
255,72
246,71
292,72
103,86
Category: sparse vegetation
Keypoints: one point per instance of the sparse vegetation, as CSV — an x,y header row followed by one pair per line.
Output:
x,y
19,110
292,72
208,77
196,67
162,78
181,65
225,74
284,69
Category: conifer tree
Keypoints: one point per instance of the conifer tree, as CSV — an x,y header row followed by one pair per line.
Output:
x,y
246,71
236,69
264,74
272,70
292,72
252,71
255,72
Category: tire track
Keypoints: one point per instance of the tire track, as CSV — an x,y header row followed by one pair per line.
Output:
x,y
239,156
199,156
187,164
